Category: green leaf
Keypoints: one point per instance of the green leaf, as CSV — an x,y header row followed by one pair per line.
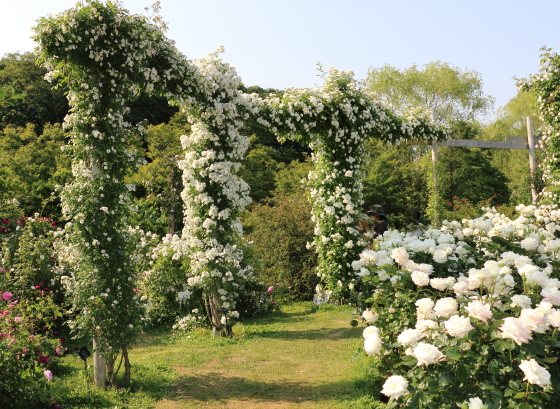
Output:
x,y
519,395
509,392
409,360
462,374
497,324
535,397
550,359
445,379
453,353
524,406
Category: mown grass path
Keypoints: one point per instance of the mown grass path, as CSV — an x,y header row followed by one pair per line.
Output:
x,y
296,358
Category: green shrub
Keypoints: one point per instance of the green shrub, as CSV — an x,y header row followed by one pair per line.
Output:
x,y
279,231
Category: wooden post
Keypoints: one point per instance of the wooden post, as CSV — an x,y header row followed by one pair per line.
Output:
x,y
434,163
99,367
532,161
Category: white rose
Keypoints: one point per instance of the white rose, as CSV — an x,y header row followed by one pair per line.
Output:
x,y
529,243
479,310
400,255
372,344
553,318
521,301
534,319
534,373
440,256
410,336
420,278
439,284
423,325
370,316
551,295
461,287
395,386
426,354
513,328
424,308
458,326
475,403
446,307
371,330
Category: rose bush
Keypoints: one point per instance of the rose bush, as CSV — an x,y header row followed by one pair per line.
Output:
x,y
480,328
31,313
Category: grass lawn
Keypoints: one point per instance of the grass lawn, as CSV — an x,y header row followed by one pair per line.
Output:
x,y
295,358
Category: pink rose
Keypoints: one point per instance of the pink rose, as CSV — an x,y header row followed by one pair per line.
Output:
x,y
43,359
48,374
7,296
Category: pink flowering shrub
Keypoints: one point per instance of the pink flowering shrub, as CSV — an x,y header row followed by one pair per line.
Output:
x,y
30,312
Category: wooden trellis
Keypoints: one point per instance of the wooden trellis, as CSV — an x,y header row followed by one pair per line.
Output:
x,y
528,142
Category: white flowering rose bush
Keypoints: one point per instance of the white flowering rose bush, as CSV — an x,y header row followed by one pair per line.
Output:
x,y
482,335
214,195
105,57
335,119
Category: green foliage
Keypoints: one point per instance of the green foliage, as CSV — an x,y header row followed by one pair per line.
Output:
x,y
259,171
31,166
280,232
514,163
396,179
158,182
453,94
42,104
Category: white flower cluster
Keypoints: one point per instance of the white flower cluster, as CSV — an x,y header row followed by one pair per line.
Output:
x,y
523,289
213,194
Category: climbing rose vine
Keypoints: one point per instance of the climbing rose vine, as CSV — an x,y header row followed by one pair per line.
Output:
x,y
335,119
545,85
105,57
213,194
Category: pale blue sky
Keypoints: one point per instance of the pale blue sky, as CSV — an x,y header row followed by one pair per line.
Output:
x,y
278,43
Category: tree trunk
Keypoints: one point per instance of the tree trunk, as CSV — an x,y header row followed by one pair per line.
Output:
x,y
214,312
127,367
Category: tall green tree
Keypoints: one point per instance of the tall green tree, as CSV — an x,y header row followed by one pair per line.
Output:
x,y
452,93
42,104
31,165
159,181
511,119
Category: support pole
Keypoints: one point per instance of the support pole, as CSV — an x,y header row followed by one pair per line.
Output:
x,y
99,365
434,163
532,161
99,368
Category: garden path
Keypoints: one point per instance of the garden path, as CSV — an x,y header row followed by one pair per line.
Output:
x,y
296,358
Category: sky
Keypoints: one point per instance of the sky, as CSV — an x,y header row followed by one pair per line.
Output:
x,y
277,43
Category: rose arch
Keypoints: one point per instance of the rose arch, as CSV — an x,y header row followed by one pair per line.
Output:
x,y
106,57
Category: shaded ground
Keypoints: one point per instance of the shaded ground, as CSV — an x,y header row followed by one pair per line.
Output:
x,y
298,359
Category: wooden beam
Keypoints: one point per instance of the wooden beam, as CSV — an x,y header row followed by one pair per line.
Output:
x,y
473,143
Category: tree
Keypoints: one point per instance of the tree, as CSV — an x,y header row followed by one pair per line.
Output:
x,y
514,163
31,165
467,173
396,179
42,103
452,93
159,181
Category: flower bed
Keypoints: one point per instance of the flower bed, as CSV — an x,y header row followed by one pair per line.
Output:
x,y
465,316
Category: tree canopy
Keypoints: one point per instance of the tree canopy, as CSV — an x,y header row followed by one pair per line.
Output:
x,y
453,94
